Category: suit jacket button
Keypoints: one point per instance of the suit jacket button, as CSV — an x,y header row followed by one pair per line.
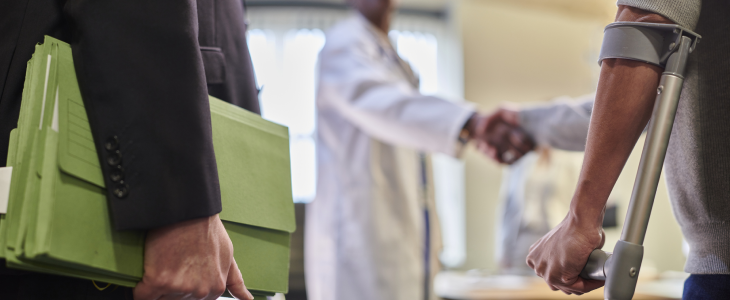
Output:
x,y
121,191
116,175
114,159
112,144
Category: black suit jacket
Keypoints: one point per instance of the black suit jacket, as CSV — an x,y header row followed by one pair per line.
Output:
x,y
145,69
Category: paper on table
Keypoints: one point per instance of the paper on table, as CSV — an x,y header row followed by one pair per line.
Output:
x,y
5,176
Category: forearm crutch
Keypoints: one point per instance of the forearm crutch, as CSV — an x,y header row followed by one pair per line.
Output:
x,y
666,46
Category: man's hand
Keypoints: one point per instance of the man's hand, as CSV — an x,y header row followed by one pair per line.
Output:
x,y
559,256
190,260
499,136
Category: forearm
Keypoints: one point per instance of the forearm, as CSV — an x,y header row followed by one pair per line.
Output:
x,y
623,106
421,122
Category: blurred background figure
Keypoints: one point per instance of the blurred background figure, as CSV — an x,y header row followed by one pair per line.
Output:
x,y
371,231
536,190
535,198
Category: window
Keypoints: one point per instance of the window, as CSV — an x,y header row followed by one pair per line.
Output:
x,y
287,75
421,51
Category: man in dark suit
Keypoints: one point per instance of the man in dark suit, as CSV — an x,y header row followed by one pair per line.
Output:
x,y
145,69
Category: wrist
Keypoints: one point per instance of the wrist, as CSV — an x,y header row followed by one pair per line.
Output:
x,y
586,219
204,222
468,131
587,209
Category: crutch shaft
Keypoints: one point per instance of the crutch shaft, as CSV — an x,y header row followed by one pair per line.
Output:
x,y
652,159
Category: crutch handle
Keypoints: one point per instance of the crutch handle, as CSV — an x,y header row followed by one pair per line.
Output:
x,y
595,267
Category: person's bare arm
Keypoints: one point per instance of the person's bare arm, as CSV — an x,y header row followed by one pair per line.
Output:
x,y
623,106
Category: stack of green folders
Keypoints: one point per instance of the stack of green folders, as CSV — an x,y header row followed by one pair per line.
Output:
x,y
58,221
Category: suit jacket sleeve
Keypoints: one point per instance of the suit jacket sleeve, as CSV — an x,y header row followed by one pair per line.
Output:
x,y
143,82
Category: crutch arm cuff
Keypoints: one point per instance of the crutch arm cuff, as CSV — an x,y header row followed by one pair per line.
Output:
x,y
651,43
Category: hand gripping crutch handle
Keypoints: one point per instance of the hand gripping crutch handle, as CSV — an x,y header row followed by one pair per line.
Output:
x,y
667,46
594,268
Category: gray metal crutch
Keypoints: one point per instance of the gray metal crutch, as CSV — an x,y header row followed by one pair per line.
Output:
x,y
667,46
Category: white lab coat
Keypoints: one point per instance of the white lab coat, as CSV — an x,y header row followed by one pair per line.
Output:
x,y
365,230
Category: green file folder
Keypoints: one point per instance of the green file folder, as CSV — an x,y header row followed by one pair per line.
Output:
x,y
58,220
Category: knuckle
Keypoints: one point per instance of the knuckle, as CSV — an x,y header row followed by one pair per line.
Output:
x,y
552,280
218,290
542,267
190,291
228,249
565,279
530,263
162,283
219,285
200,293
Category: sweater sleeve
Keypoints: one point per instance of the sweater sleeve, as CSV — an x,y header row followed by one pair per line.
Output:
x,y
562,125
683,12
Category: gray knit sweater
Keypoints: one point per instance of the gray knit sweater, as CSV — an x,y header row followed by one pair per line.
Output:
x,y
697,165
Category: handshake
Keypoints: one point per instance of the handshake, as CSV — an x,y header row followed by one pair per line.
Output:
x,y
499,136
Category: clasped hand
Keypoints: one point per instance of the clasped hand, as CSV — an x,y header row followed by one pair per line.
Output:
x,y
499,136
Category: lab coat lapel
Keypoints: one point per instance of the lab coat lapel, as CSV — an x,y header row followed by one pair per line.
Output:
x,y
390,54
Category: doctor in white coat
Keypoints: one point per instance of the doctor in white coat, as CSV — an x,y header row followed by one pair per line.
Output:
x,y
371,232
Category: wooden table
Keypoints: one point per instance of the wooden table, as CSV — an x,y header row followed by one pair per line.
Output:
x,y
533,288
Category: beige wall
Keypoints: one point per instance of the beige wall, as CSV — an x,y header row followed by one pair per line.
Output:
x,y
530,51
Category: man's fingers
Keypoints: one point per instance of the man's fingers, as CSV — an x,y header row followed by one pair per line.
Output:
x,y
235,283
530,263
144,291
491,152
580,287
509,116
521,141
603,239
585,285
487,124
482,125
